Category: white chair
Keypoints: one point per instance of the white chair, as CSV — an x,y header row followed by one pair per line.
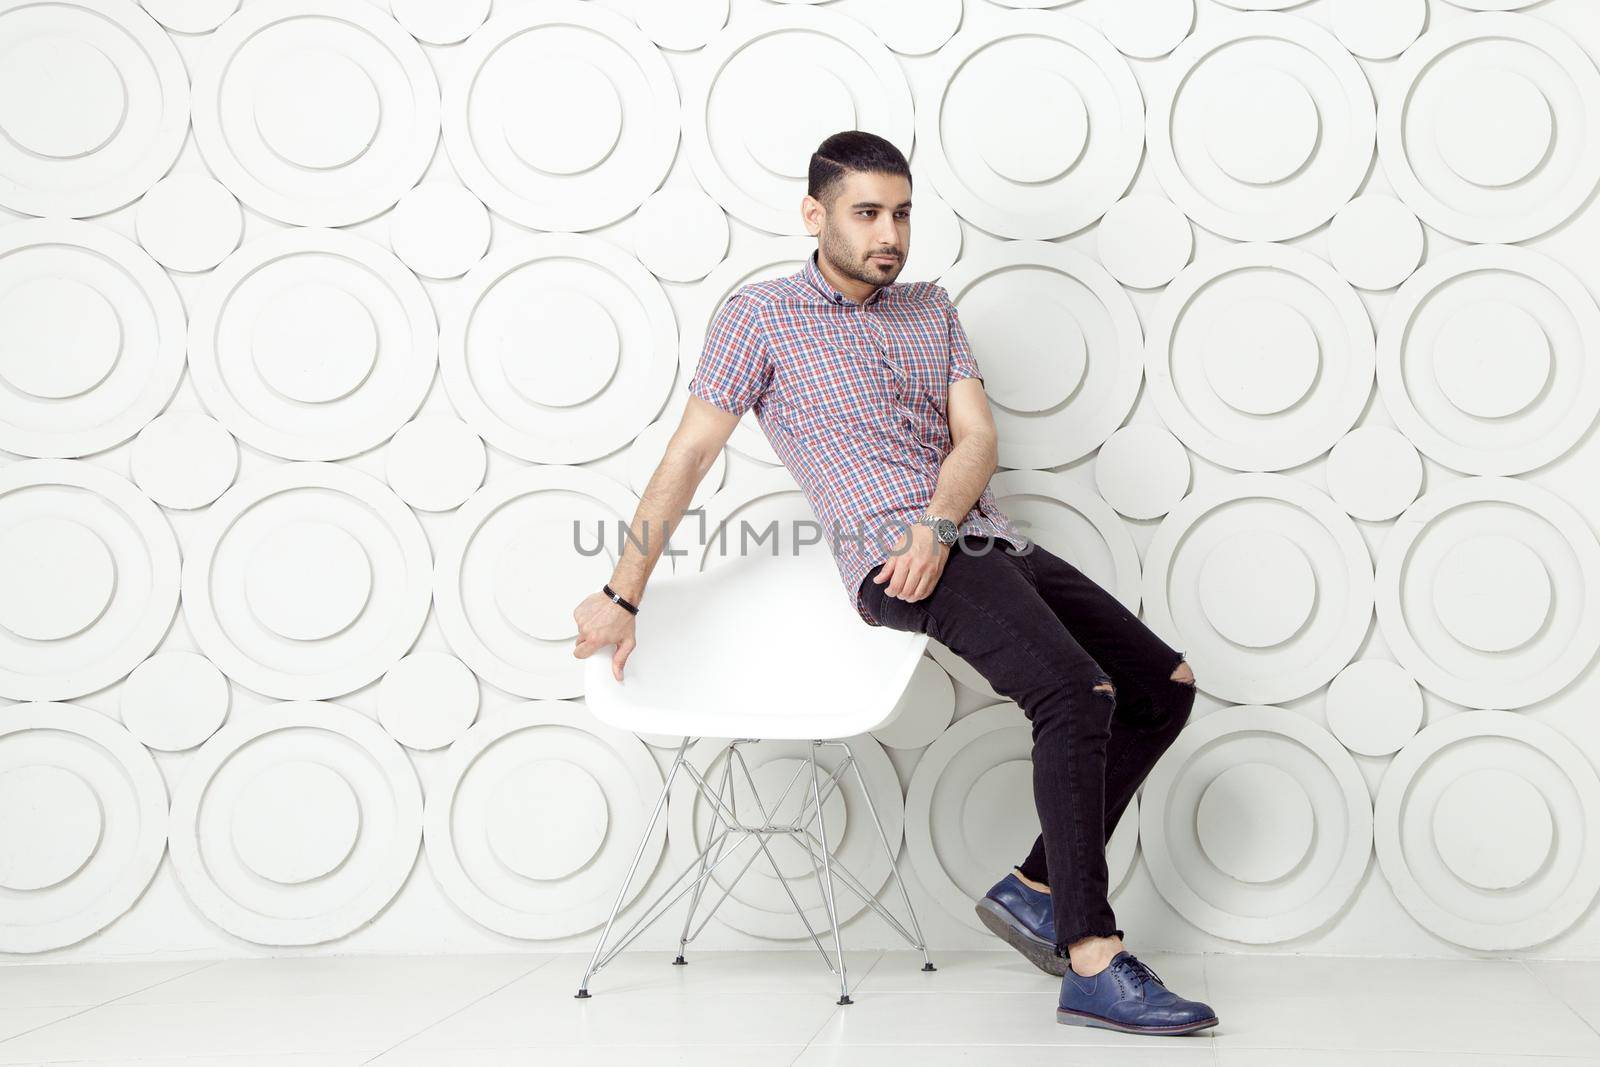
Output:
x,y
760,648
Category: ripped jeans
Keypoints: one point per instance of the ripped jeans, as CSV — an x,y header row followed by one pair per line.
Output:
x,y
1093,680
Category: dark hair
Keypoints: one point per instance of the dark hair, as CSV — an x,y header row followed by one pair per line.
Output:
x,y
852,150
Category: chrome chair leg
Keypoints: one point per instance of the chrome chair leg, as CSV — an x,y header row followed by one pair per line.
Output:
x,y
723,791
827,870
894,870
622,893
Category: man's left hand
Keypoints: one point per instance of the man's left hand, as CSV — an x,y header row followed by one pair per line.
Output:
x,y
916,564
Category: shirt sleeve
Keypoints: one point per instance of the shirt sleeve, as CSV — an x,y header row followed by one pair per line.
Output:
x,y
734,368
962,362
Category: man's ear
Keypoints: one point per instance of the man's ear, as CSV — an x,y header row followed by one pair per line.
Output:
x,y
812,212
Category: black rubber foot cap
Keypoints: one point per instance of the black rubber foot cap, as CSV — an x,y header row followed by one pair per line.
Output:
x,y
582,994
680,962
929,967
844,1000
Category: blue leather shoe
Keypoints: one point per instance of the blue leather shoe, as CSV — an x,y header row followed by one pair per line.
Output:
x,y
1129,996
1025,919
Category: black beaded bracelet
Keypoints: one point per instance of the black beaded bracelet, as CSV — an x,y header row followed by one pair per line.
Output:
x,y
617,598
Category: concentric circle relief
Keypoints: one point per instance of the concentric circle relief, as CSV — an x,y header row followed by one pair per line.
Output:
x,y
1489,830
1062,378
562,116
315,112
1041,171
536,817
1485,359
92,344
307,580
88,578
1264,582
970,810
94,106
1486,592
758,903
87,825
1256,824
1263,128
296,824
560,348
1491,128
749,134
1260,357
512,562
312,344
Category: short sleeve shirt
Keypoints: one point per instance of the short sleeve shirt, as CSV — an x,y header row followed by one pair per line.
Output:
x,y
854,399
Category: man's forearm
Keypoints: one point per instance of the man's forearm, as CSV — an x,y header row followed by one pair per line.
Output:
x,y
660,508
963,476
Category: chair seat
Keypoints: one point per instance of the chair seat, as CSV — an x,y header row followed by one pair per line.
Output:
x,y
757,646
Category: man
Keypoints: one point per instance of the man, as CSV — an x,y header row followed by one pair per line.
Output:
x,y
870,395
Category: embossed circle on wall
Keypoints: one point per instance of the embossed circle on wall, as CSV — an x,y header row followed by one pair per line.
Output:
x,y
315,112
1264,582
536,817
561,115
88,828
92,343
1491,132
312,344
94,106
1256,824
1485,359
1263,127
174,700
189,222
970,810
1260,357
509,571
759,904
1041,171
1489,830
88,578
306,580
183,459
1486,592
768,89
1061,379
559,350
295,824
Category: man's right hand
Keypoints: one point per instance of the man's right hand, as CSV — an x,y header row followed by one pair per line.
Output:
x,y
602,621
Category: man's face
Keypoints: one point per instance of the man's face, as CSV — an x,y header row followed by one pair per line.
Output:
x,y
865,233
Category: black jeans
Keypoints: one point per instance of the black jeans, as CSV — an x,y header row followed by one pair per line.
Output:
x,y
1047,637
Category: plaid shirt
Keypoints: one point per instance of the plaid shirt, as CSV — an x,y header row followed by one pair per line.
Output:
x,y
854,398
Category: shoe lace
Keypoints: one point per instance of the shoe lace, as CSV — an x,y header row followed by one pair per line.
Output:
x,y
1141,970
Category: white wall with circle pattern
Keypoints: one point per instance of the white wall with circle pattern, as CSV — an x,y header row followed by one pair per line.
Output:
x,y
322,320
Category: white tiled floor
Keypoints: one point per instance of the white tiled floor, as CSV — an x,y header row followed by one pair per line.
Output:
x,y
755,1009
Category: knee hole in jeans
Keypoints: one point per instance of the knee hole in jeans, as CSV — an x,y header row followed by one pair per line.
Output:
x,y
1183,674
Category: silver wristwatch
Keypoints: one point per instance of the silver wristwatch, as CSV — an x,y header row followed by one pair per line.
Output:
x,y
944,529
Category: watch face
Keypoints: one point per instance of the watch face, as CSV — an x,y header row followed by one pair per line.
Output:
x,y
946,530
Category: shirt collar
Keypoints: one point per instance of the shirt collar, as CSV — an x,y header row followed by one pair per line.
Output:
x,y
818,281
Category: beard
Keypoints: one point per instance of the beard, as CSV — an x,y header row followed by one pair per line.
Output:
x,y
854,263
